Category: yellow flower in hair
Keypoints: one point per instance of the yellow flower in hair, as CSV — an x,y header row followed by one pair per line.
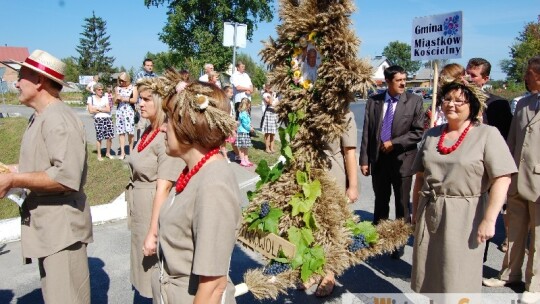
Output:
x,y
202,101
297,51
311,36
297,74
307,84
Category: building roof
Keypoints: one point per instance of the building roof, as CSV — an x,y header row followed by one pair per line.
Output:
x,y
377,61
12,52
423,74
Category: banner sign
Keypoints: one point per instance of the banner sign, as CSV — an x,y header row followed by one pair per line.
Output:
x,y
437,36
267,244
228,34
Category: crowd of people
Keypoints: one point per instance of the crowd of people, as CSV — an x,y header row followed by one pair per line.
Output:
x,y
184,205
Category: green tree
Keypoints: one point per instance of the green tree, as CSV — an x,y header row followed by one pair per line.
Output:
x,y
256,72
93,47
195,27
526,46
399,53
72,69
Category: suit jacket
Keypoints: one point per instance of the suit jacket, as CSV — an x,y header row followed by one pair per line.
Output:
x,y
498,114
524,143
407,130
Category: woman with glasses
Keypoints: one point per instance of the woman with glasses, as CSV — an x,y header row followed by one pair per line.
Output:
x,y
125,113
98,105
457,164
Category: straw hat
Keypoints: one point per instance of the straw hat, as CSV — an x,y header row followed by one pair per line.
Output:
x,y
44,64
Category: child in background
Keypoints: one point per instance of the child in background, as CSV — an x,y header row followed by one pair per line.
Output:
x,y
243,140
231,139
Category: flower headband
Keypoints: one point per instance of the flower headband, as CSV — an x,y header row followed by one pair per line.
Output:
x,y
193,98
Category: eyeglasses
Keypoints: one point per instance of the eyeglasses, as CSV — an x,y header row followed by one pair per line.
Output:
x,y
457,103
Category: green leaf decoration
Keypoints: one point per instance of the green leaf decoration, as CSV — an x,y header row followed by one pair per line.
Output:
x,y
301,114
307,236
310,221
366,228
296,203
271,220
287,152
294,130
312,190
252,216
314,259
276,172
250,194
255,225
369,231
300,205
301,178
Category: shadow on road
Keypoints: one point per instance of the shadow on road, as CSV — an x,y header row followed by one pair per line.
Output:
x,y
34,297
6,295
99,281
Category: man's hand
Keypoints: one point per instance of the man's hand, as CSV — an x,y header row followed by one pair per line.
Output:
x,y
387,147
365,170
6,181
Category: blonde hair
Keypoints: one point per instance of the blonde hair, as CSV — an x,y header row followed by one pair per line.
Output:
x,y
244,104
451,72
125,77
199,113
146,84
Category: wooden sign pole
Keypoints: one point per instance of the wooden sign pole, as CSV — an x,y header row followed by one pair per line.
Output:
x,y
434,97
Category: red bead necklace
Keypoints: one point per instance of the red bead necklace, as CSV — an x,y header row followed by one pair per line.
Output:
x,y
145,142
185,176
447,150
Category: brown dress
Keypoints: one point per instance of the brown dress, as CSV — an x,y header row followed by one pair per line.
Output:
x,y
447,257
147,167
335,151
197,233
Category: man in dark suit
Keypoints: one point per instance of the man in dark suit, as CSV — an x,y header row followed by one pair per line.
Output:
x,y
498,112
393,125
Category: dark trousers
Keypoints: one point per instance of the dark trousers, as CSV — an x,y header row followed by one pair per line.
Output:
x,y
386,177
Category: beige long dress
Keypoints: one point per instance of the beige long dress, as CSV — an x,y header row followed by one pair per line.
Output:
x,y
197,233
335,151
447,257
147,167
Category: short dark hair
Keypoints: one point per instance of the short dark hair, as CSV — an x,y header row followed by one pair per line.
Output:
x,y
471,98
534,64
146,60
480,62
392,70
225,88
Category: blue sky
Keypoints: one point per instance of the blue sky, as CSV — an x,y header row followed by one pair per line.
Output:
x,y
55,25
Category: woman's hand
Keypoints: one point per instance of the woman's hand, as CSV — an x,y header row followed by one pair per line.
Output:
x,y
352,194
486,230
150,244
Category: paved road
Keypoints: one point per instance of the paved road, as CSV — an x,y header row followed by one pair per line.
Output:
x,y
109,261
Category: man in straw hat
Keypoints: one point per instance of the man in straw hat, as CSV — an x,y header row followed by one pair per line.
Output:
x,y
55,217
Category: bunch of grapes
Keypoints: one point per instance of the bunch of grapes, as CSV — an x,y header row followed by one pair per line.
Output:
x,y
276,268
265,209
358,242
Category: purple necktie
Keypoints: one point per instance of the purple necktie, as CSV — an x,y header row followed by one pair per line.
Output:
x,y
386,130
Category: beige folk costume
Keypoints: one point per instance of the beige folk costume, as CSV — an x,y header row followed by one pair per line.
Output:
x,y
147,166
447,257
335,152
55,142
197,233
